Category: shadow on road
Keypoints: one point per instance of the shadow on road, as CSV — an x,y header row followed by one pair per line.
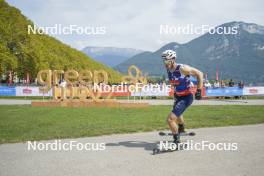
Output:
x,y
136,144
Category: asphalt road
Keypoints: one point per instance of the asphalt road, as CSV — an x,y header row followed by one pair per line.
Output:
x,y
131,154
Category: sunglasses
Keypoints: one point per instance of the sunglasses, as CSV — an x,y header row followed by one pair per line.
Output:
x,y
167,61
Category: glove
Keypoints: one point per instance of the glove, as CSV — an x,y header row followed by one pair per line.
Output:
x,y
175,96
198,94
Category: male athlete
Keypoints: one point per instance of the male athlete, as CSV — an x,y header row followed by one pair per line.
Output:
x,y
179,77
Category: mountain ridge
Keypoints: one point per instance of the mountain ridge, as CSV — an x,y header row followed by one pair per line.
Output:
x,y
239,56
111,56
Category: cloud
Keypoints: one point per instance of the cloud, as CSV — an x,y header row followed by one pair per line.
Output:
x,y
135,24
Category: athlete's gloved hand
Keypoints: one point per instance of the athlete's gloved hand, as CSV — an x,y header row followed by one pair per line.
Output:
x,y
175,96
198,94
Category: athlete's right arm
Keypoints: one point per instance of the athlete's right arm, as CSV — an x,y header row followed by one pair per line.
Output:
x,y
186,69
199,75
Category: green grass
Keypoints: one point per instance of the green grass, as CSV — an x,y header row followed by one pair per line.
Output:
x,y
22,123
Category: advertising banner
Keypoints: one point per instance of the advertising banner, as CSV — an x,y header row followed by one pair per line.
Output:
x,y
30,91
253,91
225,91
7,91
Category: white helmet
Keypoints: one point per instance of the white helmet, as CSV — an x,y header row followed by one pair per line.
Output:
x,y
168,55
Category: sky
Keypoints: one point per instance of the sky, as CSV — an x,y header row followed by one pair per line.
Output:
x,y
136,23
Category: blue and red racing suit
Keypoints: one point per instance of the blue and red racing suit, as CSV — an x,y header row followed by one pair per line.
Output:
x,y
182,90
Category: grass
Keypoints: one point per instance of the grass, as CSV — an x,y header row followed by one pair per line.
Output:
x,y
22,123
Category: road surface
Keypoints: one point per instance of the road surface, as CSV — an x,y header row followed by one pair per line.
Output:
x,y
131,154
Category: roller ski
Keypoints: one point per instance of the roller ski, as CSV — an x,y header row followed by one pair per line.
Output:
x,y
166,147
161,133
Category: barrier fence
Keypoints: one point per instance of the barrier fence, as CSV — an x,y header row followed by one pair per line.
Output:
x,y
209,92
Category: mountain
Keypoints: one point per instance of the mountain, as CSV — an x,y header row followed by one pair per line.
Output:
x,y
110,56
149,62
239,56
23,53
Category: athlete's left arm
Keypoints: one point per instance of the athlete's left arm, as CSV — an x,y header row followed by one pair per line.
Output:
x,y
188,70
